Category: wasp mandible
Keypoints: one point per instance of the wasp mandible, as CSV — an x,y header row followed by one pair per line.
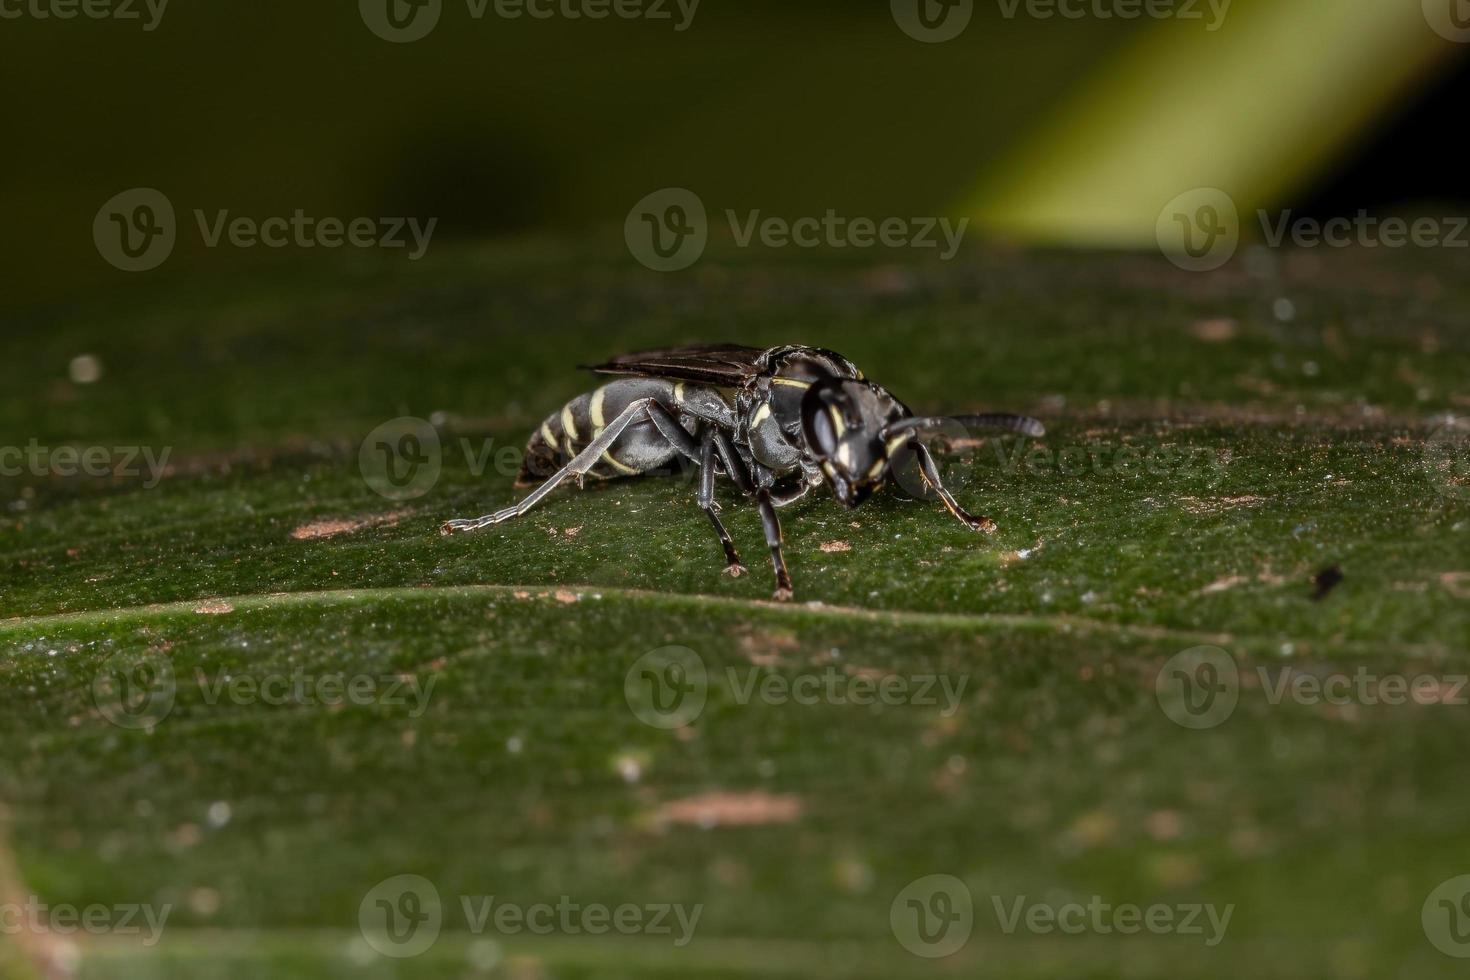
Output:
x,y
776,422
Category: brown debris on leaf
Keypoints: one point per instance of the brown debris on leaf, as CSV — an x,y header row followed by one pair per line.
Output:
x,y
730,809
332,527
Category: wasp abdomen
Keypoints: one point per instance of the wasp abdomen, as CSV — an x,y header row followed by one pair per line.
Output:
x,y
640,448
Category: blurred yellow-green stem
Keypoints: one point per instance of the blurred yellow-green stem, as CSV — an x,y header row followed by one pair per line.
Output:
x,y
1251,108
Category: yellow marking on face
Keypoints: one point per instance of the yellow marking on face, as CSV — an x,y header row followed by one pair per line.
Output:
x,y
838,426
548,435
620,467
596,411
679,392
761,414
567,424
844,455
876,469
791,382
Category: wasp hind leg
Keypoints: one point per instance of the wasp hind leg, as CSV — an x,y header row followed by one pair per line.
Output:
x,y
580,466
733,566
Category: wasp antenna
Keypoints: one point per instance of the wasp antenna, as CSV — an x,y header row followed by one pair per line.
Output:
x,y
1023,424
1011,423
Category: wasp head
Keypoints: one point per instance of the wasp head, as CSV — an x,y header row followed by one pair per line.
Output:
x,y
842,421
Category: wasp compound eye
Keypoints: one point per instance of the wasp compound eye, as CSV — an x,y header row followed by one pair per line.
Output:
x,y
823,421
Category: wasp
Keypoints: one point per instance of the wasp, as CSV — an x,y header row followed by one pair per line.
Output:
x,y
777,422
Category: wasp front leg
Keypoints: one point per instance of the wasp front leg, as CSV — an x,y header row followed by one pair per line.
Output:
x,y
930,473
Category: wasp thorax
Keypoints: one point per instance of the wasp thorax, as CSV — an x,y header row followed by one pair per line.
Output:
x,y
842,421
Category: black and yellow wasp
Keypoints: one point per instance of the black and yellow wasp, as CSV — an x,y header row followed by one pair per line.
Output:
x,y
777,422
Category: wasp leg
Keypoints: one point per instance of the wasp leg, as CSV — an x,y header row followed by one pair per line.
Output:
x,y
735,466
772,526
733,565
703,455
785,497
930,472
579,466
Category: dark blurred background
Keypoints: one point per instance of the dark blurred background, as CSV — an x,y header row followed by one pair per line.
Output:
x,y
1050,129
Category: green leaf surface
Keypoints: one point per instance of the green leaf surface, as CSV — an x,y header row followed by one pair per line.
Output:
x,y
1216,442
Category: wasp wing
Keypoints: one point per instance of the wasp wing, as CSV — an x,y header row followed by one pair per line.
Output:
x,y
722,365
